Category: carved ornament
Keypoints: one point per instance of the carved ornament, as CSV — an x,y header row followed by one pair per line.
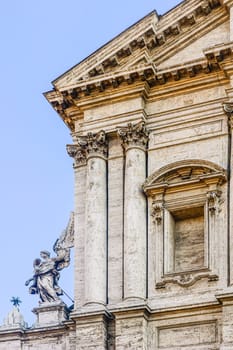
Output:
x,y
186,279
78,153
46,274
213,201
184,172
157,212
134,135
94,143
228,109
87,145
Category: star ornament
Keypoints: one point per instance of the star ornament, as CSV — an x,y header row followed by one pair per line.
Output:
x,y
16,301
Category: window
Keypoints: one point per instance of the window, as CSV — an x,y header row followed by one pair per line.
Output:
x,y
184,199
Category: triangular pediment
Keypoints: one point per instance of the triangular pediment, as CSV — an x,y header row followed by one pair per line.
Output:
x,y
177,37
190,41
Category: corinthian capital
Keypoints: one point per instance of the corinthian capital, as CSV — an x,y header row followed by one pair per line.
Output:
x,y
76,152
228,109
94,143
134,135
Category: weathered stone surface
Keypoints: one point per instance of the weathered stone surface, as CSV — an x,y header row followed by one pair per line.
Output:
x,y
154,254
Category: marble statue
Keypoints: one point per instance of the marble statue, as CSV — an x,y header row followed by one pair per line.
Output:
x,y
47,269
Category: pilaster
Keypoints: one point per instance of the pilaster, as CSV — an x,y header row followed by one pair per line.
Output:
x,y
226,299
228,109
134,141
229,5
80,161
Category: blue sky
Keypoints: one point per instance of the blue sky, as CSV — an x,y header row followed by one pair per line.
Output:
x,y
40,40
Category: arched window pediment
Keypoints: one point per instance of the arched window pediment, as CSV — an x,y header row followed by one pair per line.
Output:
x,y
185,172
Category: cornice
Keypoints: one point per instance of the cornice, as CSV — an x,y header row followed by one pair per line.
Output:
x,y
125,84
149,33
150,40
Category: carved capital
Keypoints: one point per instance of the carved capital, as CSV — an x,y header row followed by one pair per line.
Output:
x,y
157,212
94,143
228,109
78,153
134,135
213,200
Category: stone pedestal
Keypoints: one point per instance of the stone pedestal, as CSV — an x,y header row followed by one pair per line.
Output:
x,y
134,140
50,314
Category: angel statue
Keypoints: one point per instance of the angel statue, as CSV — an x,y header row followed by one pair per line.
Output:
x,y
46,269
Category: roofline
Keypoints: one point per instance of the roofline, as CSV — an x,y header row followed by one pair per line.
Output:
x,y
107,43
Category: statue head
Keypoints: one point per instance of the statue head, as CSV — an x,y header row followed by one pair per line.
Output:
x,y
45,254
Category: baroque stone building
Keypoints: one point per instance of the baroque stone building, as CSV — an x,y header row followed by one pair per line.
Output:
x,y
151,120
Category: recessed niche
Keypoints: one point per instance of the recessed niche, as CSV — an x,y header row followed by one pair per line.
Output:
x,y
189,239
185,240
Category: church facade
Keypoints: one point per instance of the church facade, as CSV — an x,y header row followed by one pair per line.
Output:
x,y
151,118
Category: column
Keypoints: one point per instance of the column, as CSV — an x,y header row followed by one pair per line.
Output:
x,y
95,146
134,141
79,155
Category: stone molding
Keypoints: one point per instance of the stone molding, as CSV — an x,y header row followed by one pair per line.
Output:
x,y
134,135
186,171
186,279
149,34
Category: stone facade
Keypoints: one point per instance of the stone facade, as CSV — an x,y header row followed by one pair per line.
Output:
x,y
151,120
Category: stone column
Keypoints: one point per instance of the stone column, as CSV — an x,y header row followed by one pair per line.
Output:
x,y
134,141
95,146
79,155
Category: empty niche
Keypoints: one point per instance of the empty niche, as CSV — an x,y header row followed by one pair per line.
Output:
x,y
184,239
188,239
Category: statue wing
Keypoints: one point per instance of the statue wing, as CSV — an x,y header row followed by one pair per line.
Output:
x,y
63,245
